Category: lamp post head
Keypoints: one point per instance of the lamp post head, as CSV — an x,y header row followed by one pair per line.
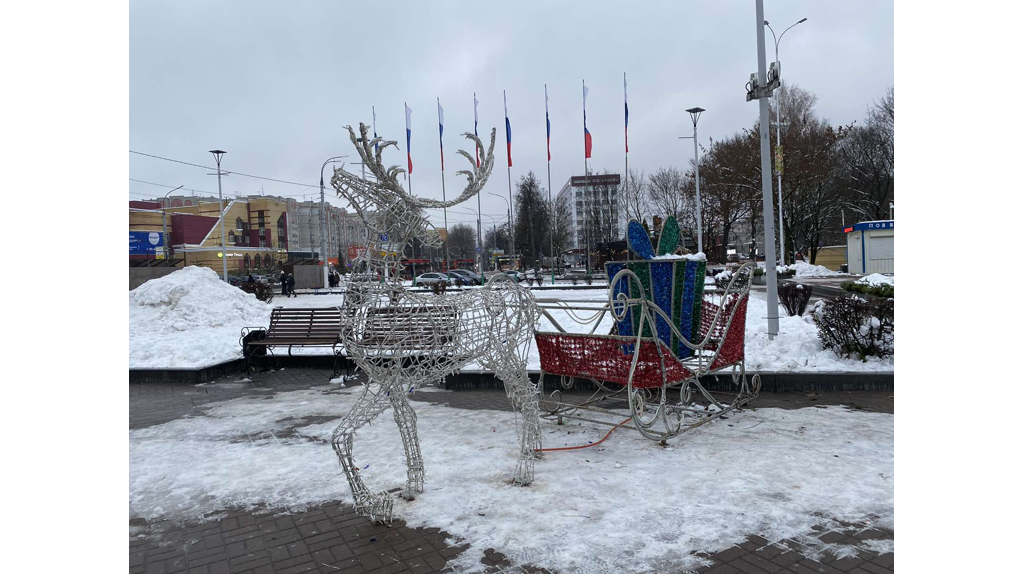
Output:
x,y
802,20
217,154
695,114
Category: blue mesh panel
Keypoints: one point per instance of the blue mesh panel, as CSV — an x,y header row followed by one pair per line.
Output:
x,y
661,290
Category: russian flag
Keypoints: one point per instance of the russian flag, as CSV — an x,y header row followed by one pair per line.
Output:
x,y
476,120
408,136
625,100
547,119
508,129
440,130
588,142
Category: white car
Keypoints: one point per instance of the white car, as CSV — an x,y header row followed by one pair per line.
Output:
x,y
428,279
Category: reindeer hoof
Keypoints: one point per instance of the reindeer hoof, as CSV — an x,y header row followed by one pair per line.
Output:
x,y
524,473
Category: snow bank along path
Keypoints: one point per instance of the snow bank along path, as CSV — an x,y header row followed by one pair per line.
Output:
x,y
189,318
626,505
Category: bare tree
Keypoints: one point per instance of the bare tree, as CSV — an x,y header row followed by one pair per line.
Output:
x,y
562,230
634,195
462,240
869,159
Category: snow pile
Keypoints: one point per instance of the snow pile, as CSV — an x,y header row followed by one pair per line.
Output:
x,y
771,472
877,279
804,269
189,318
682,256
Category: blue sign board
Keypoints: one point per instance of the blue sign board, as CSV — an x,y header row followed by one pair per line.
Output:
x,y
383,236
144,242
866,225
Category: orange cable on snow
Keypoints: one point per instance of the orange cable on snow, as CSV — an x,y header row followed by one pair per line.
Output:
x,y
585,445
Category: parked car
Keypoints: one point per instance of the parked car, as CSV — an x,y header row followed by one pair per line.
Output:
x,y
732,258
466,276
516,276
428,279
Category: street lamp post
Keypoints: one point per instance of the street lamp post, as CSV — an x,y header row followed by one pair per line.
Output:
x,y
323,222
778,140
695,115
511,231
494,234
164,209
760,88
217,154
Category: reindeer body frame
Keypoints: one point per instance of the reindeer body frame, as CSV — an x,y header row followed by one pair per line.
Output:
x,y
402,339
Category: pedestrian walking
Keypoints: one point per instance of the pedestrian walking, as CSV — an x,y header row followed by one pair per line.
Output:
x,y
291,285
284,284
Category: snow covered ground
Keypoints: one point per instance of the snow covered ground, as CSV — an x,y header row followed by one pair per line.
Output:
x,y
179,331
626,505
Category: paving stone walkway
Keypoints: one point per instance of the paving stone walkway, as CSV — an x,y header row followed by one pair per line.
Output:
x,y
332,539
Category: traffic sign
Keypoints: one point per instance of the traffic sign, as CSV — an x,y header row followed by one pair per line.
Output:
x,y
383,236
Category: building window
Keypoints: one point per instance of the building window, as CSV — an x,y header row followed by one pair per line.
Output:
x,y
231,237
245,261
238,224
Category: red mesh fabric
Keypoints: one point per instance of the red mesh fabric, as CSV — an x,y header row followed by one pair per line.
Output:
x,y
732,349
605,359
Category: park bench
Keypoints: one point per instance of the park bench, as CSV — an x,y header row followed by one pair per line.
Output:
x,y
318,327
410,329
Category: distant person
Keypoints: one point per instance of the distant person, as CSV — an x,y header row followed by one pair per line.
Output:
x,y
291,285
250,279
284,284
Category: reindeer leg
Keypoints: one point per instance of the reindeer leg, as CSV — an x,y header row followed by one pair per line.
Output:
x,y
376,507
405,418
525,400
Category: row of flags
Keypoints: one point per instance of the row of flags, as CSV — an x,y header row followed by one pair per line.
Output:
x,y
588,140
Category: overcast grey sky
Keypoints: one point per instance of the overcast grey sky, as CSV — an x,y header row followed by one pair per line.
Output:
x,y
274,83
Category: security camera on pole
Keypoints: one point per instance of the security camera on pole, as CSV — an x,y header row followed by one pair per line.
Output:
x,y
760,88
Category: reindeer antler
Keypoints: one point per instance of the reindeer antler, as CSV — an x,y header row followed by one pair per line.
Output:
x,y
477,177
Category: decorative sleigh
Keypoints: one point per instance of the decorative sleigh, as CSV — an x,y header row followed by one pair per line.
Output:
x,y
668,334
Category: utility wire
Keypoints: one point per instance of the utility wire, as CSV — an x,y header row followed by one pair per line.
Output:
x,y
222,171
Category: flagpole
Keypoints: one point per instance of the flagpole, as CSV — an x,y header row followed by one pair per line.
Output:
x,y
440,136
586,180
625,101
479,213
511,202
551,216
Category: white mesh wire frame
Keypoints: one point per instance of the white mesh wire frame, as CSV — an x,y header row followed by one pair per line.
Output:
x,y
403,339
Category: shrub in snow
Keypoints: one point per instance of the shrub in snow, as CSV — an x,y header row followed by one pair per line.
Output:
x,y
261,290
853,326
794,297
722,279
879,290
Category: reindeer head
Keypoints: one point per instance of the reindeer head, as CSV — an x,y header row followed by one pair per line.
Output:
x,y
385,206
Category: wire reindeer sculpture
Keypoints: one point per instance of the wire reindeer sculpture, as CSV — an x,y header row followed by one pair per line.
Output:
x,y
403,339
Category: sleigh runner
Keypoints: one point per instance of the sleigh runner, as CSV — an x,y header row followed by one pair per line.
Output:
x,y
667,335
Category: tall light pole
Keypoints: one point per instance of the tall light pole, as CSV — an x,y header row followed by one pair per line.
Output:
x,y
778,140
217,154
512,245
760,89
164,209
323,221
695,115
494,234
